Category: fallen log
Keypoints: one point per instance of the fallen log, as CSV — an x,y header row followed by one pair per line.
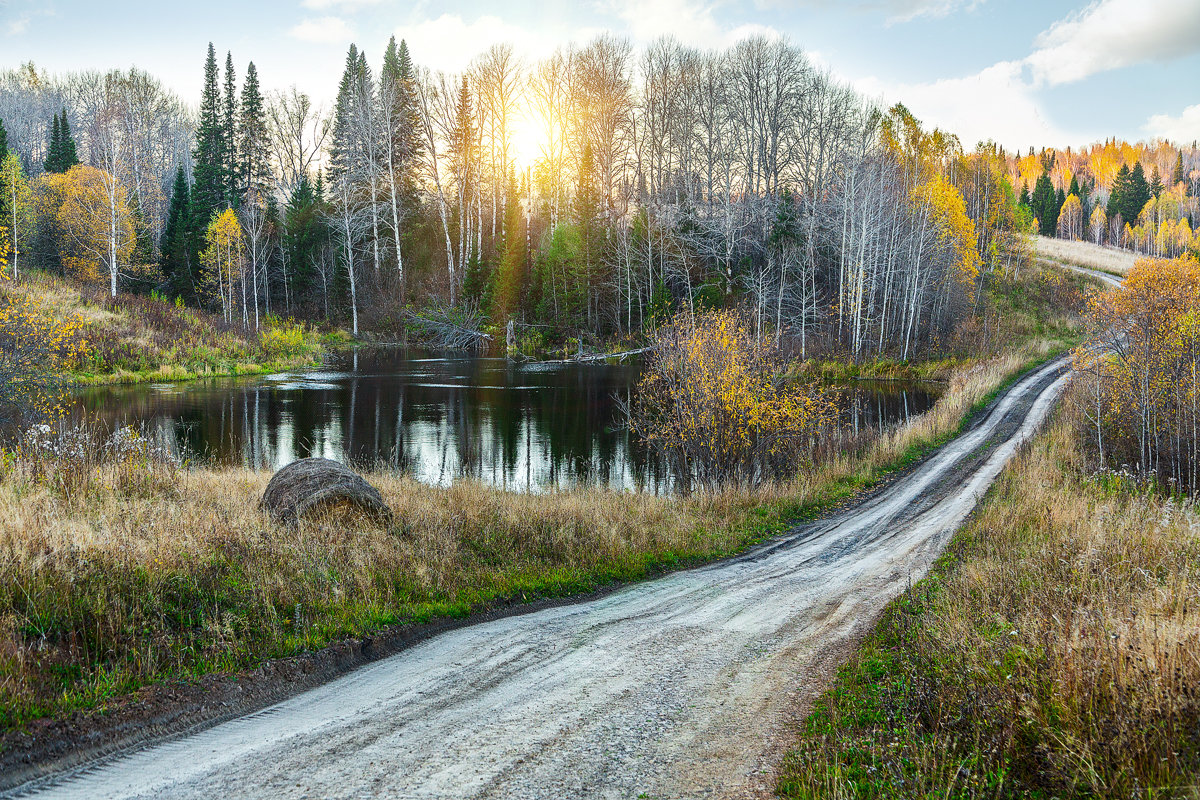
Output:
x,y
314,483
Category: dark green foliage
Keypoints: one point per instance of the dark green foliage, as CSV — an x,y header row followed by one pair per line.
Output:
x,y
1176,175
177,259
343,147
1136,194
61,154
208,191
143,248
1119,188
477,281
305,237
1156,184
1045,205
253,149
512,275
397,84
229,110
4,140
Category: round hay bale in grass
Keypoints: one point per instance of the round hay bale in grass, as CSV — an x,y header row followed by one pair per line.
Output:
x,y
314,483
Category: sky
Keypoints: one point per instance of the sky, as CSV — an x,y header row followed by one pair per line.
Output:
x,y
1020,72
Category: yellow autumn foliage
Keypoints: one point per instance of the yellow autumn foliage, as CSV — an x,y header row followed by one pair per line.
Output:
x,y
955,229
92,222
36,352
712,401
1142,367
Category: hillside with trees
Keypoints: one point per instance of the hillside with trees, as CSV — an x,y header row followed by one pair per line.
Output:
x,y
663,180
1139,197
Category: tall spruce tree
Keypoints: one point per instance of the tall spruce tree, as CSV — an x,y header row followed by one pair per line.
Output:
x,y
4,144
229,111
1116,197
1156,184
1136,194
254,144
54,149
343,148
176,246
70,155
208,192
61,155
1176,175
1044,205
305,235
399,77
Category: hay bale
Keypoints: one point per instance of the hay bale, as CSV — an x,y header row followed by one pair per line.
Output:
x,y
312,483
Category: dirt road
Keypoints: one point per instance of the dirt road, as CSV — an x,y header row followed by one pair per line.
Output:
x,y
678,687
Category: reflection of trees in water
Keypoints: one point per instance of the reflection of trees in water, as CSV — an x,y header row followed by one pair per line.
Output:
x,y
506,424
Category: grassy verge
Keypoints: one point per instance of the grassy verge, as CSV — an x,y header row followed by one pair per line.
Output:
x,y
132,338
1051,652
118,573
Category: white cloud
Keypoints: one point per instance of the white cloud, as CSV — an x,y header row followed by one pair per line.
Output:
x,y
16,27
995,103
897,10
323,30
343,5
1110,34
1181,129
688,21
908,10
448,43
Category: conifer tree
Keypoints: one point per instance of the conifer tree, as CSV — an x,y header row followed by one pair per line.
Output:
x,y
4,144
305,235
1044,205
54,150
1119,188
70,155
1156,184
1136,195
208,193
1176,176
61,155
177,250
229,110
342,147
253,146
143,241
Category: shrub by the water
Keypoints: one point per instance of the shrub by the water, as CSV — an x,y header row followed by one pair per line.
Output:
x,y
714,402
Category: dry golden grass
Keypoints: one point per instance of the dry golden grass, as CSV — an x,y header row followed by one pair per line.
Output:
x,y
1086,254
1054,652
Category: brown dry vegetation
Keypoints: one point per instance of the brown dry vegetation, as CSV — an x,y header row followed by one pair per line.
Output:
x,y
123,570
1054,651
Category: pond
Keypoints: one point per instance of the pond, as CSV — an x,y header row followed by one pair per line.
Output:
x,y
523,426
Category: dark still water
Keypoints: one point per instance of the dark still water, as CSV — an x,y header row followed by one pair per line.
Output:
x,y
436,417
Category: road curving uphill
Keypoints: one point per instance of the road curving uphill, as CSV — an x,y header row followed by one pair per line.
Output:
x,y
677,687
